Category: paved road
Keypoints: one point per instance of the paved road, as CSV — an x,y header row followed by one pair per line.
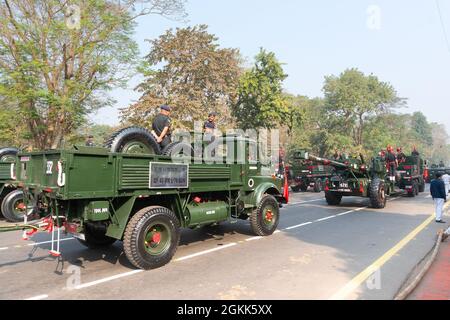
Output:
x,y
319,252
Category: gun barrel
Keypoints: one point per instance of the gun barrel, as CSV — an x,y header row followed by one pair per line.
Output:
x,y
305,155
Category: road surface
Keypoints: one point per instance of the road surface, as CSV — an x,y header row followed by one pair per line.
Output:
x,y
319,252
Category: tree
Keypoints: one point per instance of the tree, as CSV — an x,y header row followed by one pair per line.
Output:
x,y
188,70
353,97
58,59
261,102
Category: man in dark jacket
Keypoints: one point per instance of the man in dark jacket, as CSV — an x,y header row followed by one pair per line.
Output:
x,y
437,189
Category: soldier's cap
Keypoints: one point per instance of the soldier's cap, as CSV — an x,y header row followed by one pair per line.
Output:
x,y
212,114
165,107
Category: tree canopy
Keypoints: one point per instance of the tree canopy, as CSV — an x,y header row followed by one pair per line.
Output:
x,y
58,60
188,70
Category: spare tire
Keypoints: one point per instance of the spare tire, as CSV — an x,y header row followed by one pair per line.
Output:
x,y
178,149
8,154
134,140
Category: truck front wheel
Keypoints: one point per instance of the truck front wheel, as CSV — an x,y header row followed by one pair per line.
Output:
x,y
151,237
264,220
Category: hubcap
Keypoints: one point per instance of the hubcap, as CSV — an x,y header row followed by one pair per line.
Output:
x,y
19,208
157,239
269,216
137,147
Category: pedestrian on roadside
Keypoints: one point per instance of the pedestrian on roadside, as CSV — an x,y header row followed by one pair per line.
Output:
x,y
446,179
437,189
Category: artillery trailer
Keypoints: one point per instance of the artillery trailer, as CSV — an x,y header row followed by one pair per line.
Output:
x,y
353,177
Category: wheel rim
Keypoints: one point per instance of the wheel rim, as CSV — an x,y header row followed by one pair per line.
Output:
x,y
19,208
157,239
269,216
136,147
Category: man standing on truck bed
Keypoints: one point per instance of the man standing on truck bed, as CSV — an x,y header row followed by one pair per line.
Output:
x,y
161,127
392,161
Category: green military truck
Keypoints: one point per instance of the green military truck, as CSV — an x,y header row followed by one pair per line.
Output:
x,y
12,206
410,175
353,177
103,195
307,173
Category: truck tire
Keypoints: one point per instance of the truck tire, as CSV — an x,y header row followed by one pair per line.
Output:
x,y
8,154
377,193
295,188
96,238
318,186
135,140
10,208
151,237
178,148
333,199
264,220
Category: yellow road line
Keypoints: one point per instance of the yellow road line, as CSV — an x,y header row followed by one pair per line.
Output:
x,y
369,271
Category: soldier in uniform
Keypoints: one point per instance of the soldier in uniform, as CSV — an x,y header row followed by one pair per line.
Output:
x,y
161,127
401,157
90,141
209,128
415,152
392,162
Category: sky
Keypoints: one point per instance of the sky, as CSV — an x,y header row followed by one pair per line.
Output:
x,y
402,42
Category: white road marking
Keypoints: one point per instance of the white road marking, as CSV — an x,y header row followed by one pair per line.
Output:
x,y
118,276
127,274
206,252
5,248
325,218
40,297
302,202
298,226
254,238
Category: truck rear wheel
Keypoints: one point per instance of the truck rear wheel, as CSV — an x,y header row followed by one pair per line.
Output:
x,y
96,238
377,194
13,207
264,220
135,140
295,188
333,199
151,237
318,185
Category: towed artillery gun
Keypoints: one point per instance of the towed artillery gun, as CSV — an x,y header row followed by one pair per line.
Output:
x,y
134,192
353,177
307,173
